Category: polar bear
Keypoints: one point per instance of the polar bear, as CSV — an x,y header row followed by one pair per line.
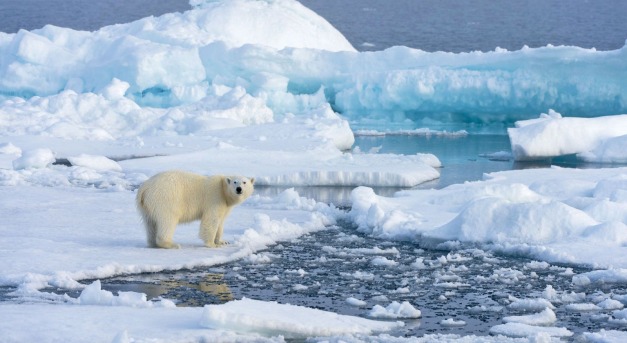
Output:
x,y
174,197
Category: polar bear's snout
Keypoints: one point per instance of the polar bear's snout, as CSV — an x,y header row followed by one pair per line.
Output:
x,y
238,190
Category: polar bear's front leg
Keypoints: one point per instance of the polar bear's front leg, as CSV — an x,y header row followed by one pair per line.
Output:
x,y
209,227
218,240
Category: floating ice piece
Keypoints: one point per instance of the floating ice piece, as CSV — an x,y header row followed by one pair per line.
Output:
x,y
359,275
395,310
605,336
620,315
290,321
382,261
450,322
601,277
530,305
525,330
610,304
582,307
300,287
546,317
356,302
552,135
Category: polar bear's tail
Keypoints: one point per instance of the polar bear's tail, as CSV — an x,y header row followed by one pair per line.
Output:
x,y
149,223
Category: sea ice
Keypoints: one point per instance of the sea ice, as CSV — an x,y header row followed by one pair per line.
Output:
x,y
395,310
271,318
525,330
546,317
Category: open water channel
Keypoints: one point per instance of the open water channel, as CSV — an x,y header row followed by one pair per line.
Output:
x,y
462,289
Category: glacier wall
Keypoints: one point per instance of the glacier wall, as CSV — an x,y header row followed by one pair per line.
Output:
x,y
180,58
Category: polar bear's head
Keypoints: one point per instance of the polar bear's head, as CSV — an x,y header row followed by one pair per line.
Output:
x,y
239,188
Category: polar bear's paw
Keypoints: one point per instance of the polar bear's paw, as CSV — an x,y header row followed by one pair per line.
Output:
x,y
168,245
216,245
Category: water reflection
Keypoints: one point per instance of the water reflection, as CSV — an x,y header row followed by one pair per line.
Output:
x,y
206,287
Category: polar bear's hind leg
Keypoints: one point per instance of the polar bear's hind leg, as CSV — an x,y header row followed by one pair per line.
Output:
x,y
163,234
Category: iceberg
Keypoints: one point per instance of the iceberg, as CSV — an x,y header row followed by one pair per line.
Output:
x,y
182,58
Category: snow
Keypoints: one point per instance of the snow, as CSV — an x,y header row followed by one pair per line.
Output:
x,y
548,214
86,117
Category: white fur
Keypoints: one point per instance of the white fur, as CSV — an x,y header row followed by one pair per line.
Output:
x,y
174,197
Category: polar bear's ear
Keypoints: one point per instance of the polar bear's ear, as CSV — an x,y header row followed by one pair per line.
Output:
x,y
252,180
228,180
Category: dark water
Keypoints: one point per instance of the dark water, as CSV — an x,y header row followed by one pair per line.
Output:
x,y
455,26
322,270
431,25
86,15
464,158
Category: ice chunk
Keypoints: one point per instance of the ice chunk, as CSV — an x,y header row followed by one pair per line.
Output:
x,y
601,277
530,304
355,302
552,136
450,322
525,330
610,304
272,318
546,317
582,307
395,310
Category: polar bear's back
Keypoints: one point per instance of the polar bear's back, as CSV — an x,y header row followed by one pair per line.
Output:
x,y
180,194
